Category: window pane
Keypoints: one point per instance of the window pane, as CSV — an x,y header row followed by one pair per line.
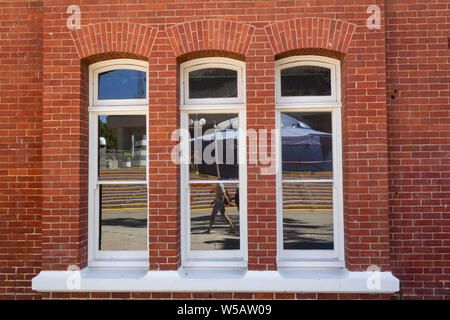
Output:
x,y
212,83
308,216
214,217
211,132
307,151
122,84
123,217
122,147
305,81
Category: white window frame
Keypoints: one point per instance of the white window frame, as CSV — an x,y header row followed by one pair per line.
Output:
x,y
334,65
111,258
203,63
213,258
329,104
115,64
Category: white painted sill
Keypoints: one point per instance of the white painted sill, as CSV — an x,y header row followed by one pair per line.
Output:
x,y
216,280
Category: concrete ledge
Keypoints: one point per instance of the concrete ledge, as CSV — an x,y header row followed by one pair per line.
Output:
x,y
207,280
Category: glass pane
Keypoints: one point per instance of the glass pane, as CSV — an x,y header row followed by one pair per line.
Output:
x,y
122,147
122,84
305,81
212,83
308,216
307,151
214,214
211,132
123,217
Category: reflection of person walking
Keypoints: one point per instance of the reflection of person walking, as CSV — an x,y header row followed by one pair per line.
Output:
x,y
219,205
236,198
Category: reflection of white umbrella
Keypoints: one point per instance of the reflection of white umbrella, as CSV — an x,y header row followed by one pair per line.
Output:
x,y
224,150
228,124
300,136
218,135
303,147
102,142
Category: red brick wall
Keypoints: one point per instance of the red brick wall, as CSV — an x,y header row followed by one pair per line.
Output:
x,y
418,95
391,219
20,147
164,204
64,147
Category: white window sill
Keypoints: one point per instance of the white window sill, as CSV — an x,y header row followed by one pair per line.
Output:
x,y
214,280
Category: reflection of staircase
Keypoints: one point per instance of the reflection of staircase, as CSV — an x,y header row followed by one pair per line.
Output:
x,y
124,197
296,196
308,175
122,174
307,196
202,195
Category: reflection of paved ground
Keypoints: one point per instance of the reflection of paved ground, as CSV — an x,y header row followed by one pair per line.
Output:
x,y
124,230
308,229
127,230
220,237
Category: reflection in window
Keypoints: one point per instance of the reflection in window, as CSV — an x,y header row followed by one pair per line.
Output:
x,y
122,147
214,146
214,216
305,81
306,145
122,84
308,216
307,165
213,83
123,217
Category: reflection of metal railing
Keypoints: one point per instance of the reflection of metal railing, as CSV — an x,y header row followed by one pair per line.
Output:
x,y
114,159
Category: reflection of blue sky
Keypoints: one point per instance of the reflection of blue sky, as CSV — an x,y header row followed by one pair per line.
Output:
x,y
103,118
122,84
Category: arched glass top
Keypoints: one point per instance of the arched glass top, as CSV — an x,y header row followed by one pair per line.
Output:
x,y
213,83
305,81
122,84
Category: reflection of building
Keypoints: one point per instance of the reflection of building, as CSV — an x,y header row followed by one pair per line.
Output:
x,y
130,141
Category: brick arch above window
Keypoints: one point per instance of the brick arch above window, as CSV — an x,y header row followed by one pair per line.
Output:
x,y
310,32
202,35
106,37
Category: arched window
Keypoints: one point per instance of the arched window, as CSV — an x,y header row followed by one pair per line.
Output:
x,y
213,81
118,169
309,175
119,82
213,168
307,79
